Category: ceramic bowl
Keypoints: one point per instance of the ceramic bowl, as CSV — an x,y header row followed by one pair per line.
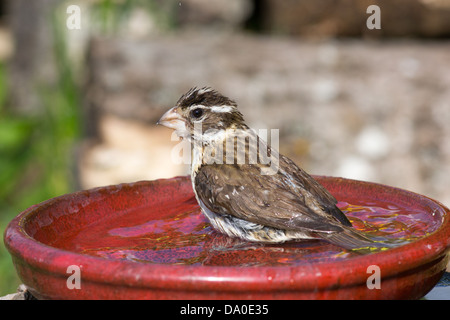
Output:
x,y
37,241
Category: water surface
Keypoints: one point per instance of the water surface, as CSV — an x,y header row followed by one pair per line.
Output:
x,y
180,234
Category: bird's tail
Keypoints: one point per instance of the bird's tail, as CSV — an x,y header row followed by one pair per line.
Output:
x,y
355,240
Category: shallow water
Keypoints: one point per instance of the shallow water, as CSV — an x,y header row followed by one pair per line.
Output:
x,y
180,234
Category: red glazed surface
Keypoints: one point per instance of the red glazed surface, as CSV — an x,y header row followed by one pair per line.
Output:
x,y
407,272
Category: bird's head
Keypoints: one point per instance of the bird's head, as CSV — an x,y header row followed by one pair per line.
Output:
x,y
204,109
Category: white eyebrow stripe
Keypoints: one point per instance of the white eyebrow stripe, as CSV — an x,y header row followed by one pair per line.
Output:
x,y
195,106
221,109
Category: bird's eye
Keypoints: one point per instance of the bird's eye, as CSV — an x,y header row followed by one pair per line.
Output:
x,y
197,113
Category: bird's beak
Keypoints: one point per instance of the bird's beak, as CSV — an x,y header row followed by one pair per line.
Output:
x,y
171,119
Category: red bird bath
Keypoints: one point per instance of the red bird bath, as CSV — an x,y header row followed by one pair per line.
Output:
x,y
148,240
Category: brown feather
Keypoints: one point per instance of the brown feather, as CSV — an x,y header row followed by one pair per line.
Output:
x,y
290,199
242,192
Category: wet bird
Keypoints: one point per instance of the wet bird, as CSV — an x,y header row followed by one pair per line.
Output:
x,y
243,196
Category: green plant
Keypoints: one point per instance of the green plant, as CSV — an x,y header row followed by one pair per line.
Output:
x,y
36,152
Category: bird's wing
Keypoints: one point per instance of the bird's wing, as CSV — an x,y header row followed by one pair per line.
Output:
x,y
241,191
307,185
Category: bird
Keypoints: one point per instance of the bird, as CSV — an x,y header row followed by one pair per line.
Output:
x,y
239,193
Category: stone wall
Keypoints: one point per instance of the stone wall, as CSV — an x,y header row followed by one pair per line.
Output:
x,y
376,111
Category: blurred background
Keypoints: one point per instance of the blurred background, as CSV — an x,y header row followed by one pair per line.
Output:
x,y
80,95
